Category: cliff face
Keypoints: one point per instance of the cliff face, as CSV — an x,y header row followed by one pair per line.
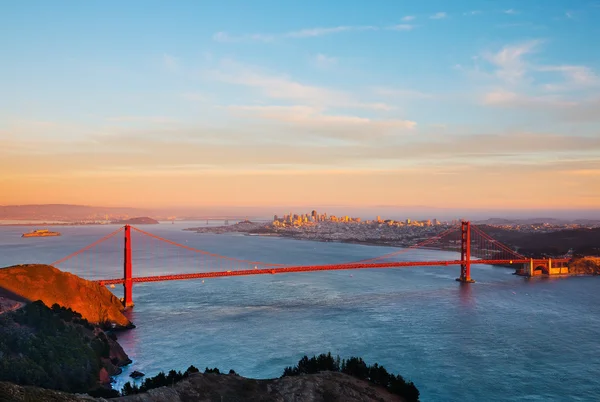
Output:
x,y
50,285
320,387
585,266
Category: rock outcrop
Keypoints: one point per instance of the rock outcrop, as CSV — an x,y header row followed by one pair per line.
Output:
x,y
17,393
50,285
320,387
585,266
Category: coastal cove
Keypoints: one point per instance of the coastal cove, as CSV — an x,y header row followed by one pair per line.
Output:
x,y
412,321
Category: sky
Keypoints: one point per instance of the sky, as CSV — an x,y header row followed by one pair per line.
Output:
x,y
460,105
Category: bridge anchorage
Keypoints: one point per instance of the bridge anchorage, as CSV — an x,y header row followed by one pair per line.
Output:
x,y
475,247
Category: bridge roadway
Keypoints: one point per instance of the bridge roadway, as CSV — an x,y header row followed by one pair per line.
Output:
x,y
310,268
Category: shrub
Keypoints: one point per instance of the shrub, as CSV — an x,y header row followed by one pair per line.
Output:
x,y
356,367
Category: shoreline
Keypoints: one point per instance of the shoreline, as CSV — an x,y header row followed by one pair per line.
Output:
x,y
346,241
287,236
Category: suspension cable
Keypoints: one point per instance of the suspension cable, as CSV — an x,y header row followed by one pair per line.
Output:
x,y
108,236
202,251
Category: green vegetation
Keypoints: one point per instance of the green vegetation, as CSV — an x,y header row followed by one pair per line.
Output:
x,y
538,245
161,380
356,367
50,348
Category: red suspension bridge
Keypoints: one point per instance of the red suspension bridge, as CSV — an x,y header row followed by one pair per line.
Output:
x,y
475,247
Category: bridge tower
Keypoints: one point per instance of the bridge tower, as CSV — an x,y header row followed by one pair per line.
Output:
x,y
128,282
465,253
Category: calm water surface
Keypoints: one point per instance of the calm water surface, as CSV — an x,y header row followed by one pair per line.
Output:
x,y
503,338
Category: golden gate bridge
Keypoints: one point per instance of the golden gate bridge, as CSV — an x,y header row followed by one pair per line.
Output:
x,y
475,246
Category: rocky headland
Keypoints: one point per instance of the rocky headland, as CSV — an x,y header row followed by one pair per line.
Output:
x,y
52,286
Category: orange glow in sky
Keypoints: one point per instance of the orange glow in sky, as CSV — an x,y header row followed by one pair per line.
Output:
x,y
104,108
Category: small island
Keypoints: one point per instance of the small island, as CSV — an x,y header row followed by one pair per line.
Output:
x,y
40,233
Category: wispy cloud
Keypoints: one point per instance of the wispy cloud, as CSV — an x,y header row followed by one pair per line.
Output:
x,y
324,61
515,100
302,33
225,37
277,86
575,77
474,12
512,67
551,107
569,15
311,32
408,18
511,11
439,16
564,91
509,60
328,153
354,133
329,125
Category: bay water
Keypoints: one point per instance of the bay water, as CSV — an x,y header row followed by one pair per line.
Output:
x,y
502,338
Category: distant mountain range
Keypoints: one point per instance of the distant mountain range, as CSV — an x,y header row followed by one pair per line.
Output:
x,y
67,212
70,212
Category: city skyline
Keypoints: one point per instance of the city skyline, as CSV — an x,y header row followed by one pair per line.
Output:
x,y
471,105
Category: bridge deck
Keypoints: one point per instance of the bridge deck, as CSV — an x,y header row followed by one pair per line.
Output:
x,y
311,268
